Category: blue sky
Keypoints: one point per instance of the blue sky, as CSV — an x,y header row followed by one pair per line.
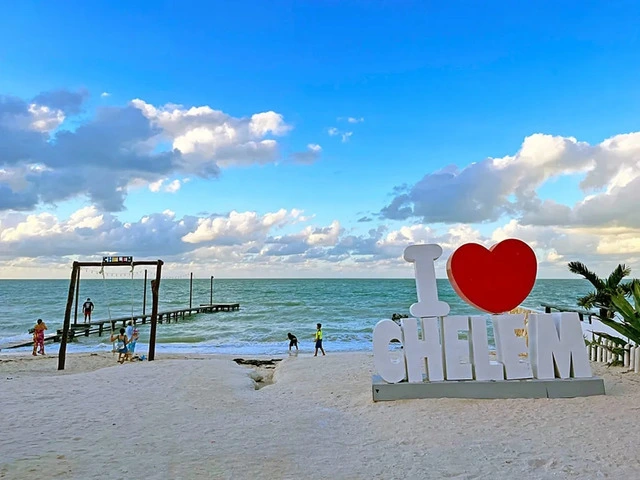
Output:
x,y
436,84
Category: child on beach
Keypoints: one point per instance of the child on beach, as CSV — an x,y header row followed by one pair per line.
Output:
x,y
319,339
293,341
129,330
38,337
131,348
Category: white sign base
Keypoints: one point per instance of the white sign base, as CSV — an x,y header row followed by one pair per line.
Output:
x,y
531,388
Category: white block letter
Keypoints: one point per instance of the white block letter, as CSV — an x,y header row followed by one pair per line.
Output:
x,y
422,355
383,333
422,257
556,346
512,350
483,368
457,352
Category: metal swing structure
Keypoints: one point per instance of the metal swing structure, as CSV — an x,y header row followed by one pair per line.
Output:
x,y
111,261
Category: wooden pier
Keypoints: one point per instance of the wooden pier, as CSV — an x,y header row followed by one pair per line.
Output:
x,y
99,327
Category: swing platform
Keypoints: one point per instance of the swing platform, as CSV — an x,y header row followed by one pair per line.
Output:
x,y
100,327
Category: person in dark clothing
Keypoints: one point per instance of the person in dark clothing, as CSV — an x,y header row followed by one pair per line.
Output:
x,y
87,308
293,341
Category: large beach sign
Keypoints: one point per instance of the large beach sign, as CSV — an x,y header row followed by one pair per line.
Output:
x,y
449,356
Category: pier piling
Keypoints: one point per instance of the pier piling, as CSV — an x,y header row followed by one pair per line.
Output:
x,y
155,286
67,317
75,314
144,294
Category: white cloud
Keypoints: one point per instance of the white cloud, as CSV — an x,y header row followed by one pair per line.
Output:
x,y
236,227
350,119
344,135
311,155
209,139
157,185
245,244
121,148
105,94
491,188
40,225
324,236
87,217
268,122
124,147
164,185
173,187
45,119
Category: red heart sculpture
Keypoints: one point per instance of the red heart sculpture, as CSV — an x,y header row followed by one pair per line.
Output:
x,y
495,280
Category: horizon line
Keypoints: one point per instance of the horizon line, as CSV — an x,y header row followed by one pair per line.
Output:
x,y
260,278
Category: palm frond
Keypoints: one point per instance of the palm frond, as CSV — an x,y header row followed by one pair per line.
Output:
x,y
588,301
580,268
629,314
626,330
617,340
635,290
617,275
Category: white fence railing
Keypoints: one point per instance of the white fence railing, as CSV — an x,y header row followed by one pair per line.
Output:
x,y
602,353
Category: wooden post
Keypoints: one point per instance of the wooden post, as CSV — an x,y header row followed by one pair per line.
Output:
x,y
144,295
211,292
155,288
190,290
67,317
75,315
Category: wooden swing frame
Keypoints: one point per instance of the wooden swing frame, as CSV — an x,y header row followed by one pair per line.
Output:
x,y
73,284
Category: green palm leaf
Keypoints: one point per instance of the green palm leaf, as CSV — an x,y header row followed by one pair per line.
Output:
x,y
580,268
624,308
635,290
623,329
601,297
617,340
617,275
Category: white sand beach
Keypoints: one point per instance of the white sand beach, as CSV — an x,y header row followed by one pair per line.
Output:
x,y
202,418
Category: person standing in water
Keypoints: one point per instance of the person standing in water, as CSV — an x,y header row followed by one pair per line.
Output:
x,y
38,337
87,308
319,339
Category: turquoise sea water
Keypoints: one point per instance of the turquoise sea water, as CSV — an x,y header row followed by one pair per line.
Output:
x,y
347,308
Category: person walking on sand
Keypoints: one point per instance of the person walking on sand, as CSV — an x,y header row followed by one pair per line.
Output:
x,y
319,340
38,337
293,341
87,308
